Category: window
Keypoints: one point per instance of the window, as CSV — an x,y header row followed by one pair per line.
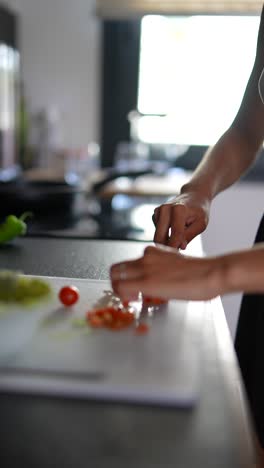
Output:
x,y
192,76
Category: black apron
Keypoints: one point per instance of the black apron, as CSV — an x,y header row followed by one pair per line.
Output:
x,y
249,345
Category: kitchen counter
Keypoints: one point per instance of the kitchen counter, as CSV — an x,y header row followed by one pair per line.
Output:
x,y
42,431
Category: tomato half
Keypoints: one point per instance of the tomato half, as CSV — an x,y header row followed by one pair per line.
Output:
x,y
69,295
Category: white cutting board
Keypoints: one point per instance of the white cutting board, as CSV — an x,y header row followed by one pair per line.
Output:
x,y
162,367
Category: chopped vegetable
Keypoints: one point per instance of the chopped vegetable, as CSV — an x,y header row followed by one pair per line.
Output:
x,y
96,322
13,227
15,288
69,295
79,322
110,317
142,329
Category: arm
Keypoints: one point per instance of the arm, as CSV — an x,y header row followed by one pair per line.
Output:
x,y
237,148
245,270
187,214
165,273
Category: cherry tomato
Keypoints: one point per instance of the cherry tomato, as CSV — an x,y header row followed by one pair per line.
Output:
x,y
142,329
69,295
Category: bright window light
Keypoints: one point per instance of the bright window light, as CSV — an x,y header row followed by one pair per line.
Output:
x,y
193,74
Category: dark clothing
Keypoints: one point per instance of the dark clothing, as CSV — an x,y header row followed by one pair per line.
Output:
x,y
249,341
249,345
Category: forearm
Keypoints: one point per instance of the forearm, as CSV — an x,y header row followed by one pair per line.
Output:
x,y
186,215
242,271
223,164
236,150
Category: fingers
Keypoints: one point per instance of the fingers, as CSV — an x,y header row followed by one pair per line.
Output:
x,y
194,229
162,217
123,273
171,217
143,274
125,276
130,269
135,281
155,216
178,224
129,289
134,268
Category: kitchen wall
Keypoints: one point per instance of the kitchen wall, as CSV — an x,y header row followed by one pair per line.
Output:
x,y
60,42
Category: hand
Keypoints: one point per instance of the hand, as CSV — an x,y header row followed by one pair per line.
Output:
x,y
164,272
181,219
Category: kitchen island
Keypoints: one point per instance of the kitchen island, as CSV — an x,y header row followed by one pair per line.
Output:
x,y
41,431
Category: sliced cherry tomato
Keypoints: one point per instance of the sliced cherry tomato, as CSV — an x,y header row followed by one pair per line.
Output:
x,y
117,325
110,317
142,329
107,317
69,295
154,300
96,321
121,320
